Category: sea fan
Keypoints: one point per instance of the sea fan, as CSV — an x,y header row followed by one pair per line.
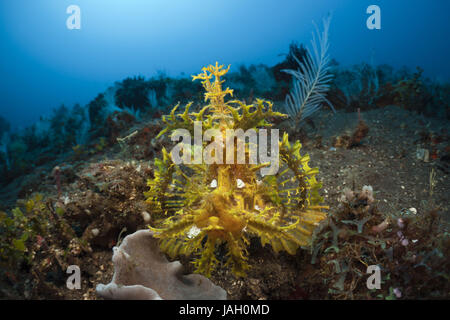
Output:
x,y
311,80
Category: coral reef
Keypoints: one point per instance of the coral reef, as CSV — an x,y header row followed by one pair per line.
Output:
x,y
133,93
366,86
89,208
410,249
37,236
135,100
101,197
141,272
73,184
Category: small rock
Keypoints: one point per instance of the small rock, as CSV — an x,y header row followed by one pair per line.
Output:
x,y
397,293
146,216
423,154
